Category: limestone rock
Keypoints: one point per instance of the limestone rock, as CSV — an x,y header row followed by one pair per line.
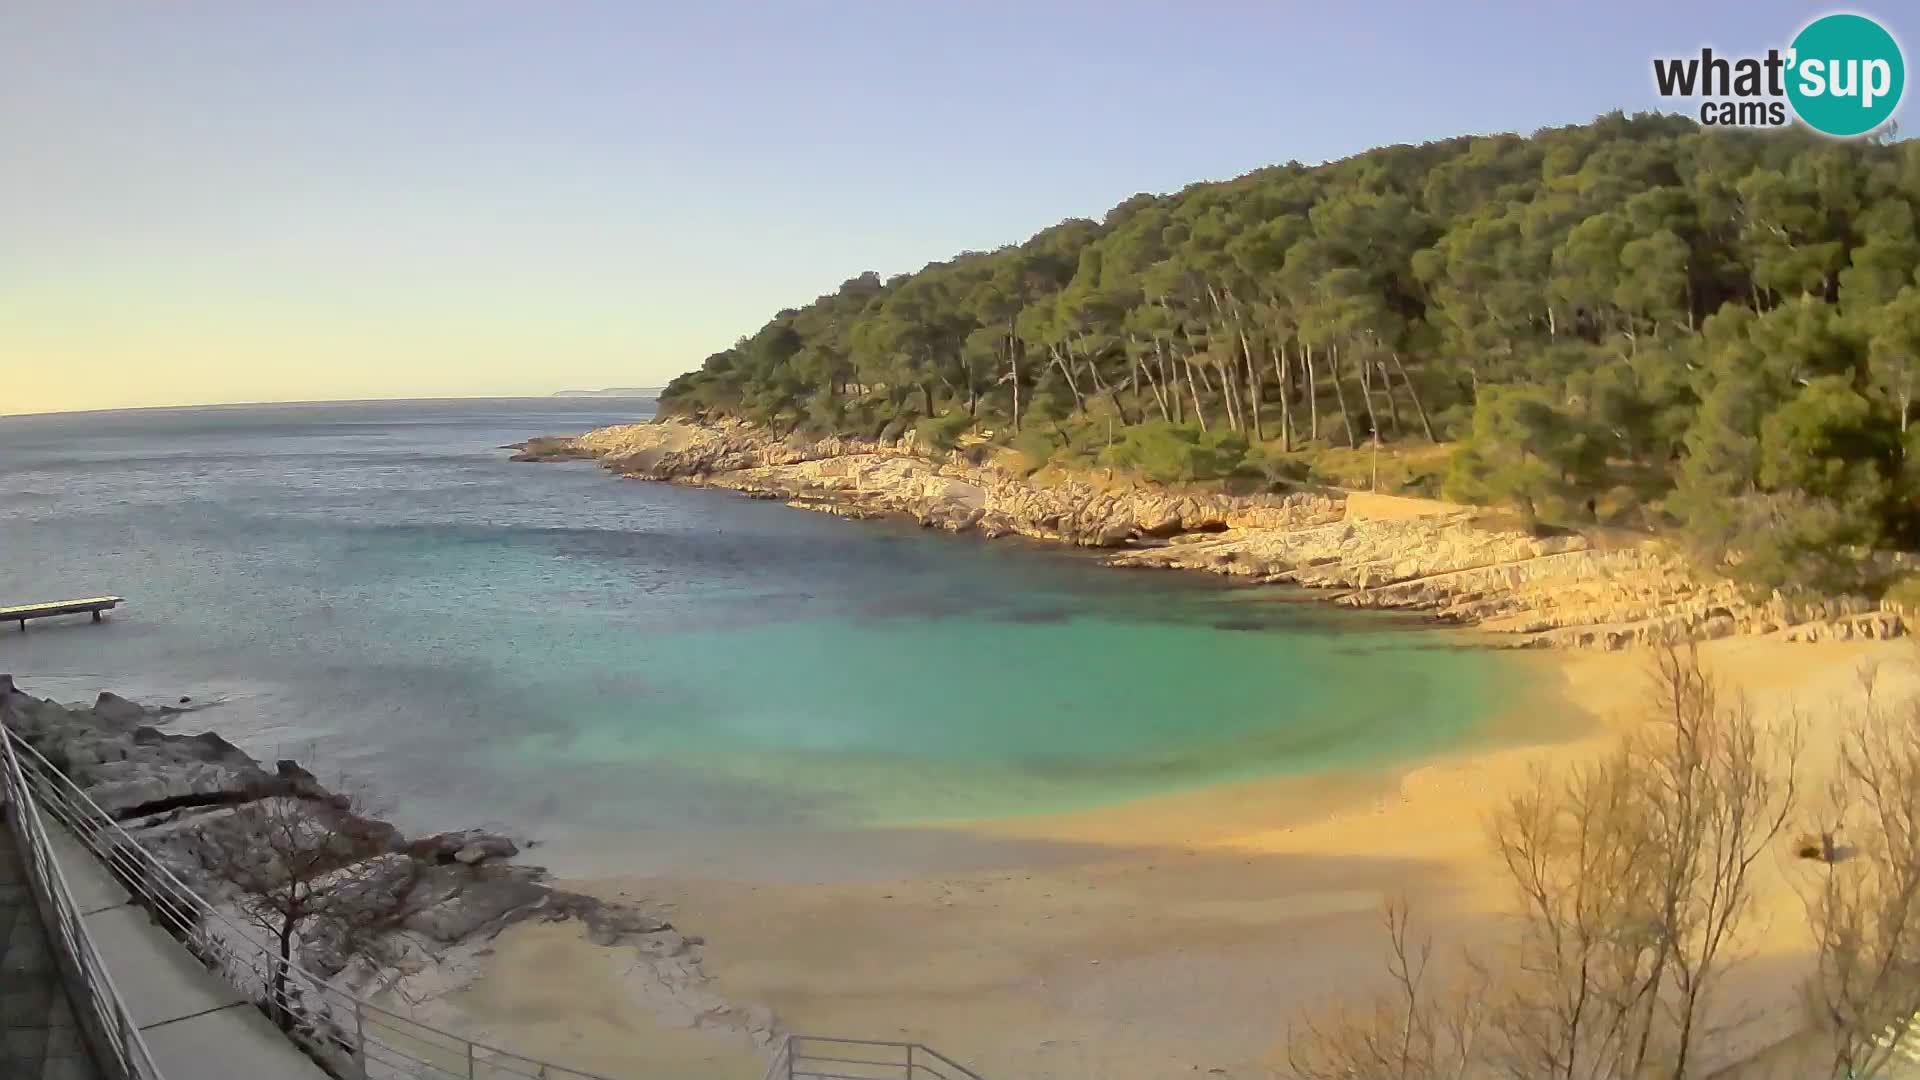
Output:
x,y
608,924
469,846
448,903
115,709
1368,552
399,909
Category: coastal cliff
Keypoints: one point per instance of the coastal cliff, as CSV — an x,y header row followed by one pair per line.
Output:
x,y
421,913
1457,564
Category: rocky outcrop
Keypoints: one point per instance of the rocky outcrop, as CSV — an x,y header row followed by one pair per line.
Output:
x,y
862,479
1560,591
547,448
412,914
1600,591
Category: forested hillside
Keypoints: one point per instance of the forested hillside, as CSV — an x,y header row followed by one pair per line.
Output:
x,y
1636,321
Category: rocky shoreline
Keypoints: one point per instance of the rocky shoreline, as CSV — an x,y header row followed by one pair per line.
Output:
x,y
1454,564
423,909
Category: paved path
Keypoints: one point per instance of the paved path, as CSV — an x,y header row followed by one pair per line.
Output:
x,y
38,1037
194,1022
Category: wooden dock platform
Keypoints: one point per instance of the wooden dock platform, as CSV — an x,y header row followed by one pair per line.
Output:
x,y
94,605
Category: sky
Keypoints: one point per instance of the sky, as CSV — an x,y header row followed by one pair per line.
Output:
x,y
215,202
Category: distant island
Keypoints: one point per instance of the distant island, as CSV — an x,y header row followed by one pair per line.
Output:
x,y
613,391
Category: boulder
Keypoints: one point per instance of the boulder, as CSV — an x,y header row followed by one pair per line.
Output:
x,y
147,784
448,903
377,886
115,709
467,846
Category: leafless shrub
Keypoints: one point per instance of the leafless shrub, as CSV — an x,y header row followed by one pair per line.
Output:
x,y
1633,874
296,859
1864,907
1419,1030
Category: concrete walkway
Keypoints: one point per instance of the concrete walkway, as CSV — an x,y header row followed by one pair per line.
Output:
x,y
195,1024
38,1037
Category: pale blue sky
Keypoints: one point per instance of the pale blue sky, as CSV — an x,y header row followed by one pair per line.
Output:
x,y
254,201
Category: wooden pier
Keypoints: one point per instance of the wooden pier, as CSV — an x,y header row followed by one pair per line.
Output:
x,y
93,605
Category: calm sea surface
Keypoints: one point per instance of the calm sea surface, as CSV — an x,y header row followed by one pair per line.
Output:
x,y
374,588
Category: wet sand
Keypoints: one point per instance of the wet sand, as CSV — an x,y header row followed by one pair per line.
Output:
x,y
1171,936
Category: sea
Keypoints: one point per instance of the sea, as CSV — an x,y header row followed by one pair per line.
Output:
x,y
642,676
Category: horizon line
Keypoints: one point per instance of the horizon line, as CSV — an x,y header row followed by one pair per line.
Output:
x,y
555,395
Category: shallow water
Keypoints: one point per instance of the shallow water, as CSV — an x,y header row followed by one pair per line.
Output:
x,y
374,588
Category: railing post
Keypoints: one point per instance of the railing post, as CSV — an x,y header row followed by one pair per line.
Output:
x,y
909,1061
240,959
791,1052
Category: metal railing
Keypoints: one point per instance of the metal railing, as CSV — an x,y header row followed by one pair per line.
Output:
x,y
816,1057
101,1011
348,1035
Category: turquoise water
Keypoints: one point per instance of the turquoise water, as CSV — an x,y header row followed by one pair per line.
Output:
x,y
373,587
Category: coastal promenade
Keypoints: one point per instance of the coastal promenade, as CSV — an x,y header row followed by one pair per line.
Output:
x,y
39,1035
91,987
193,1022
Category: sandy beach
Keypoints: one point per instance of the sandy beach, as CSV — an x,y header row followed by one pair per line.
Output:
x,y
1171,936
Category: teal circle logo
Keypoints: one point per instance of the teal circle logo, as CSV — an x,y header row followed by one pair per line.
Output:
x,y
1846,75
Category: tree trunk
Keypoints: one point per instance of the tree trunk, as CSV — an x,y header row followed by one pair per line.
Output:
x,y
1013,362
1201,369
1253,390
1171,379
1072,387
1286,399
1229,393
1425,424
1906,401
1366,394
1141,367
1199,413
1112,392
1340,395
926,395
1393,402
282,1015
1313,395
1653,1003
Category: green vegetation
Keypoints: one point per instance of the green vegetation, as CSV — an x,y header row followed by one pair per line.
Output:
x,y
1637,321
1172,453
